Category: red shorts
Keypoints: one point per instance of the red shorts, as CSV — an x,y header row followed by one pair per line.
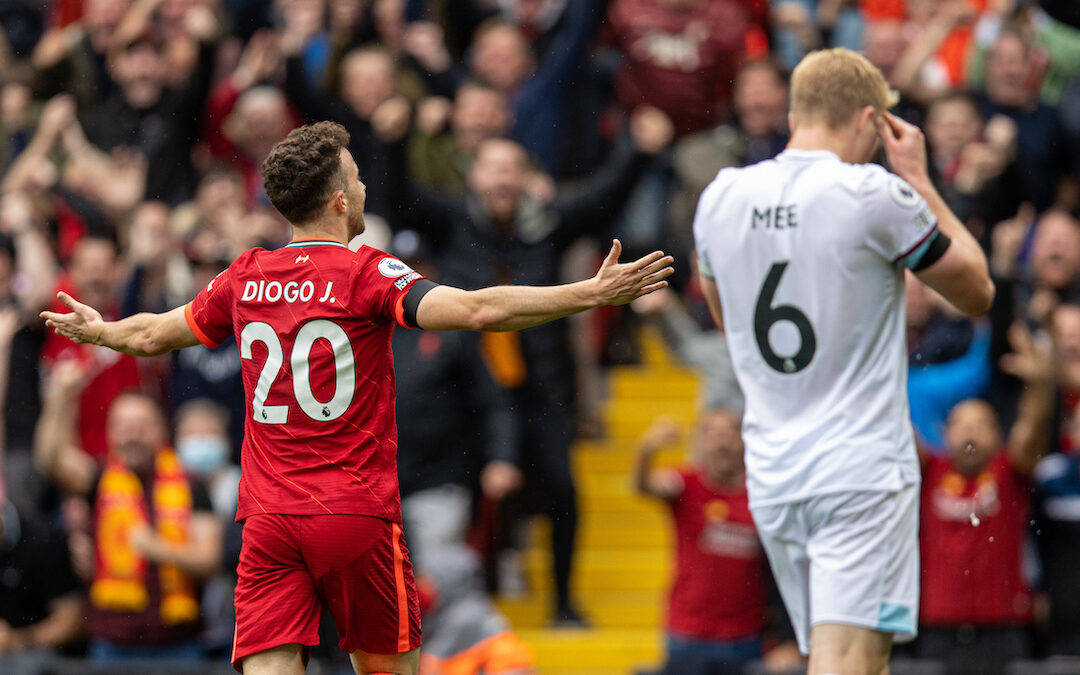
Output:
x,y
357,567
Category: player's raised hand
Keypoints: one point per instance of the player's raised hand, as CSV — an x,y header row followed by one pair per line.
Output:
x,y
621,283
82,324
905,148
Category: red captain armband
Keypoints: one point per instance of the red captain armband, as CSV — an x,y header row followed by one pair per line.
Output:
x,y
411,301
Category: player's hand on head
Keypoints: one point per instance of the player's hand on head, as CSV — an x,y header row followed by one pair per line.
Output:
x,y
905,147
82,324
619,283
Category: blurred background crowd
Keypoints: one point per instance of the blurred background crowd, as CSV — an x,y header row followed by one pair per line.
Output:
x,y
506,141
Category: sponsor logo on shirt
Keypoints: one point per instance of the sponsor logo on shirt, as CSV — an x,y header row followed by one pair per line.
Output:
x,y
392,268
924,219
732,540
949,504
404,281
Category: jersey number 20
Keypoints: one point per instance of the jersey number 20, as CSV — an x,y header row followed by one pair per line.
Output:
x,y
766,315
344,368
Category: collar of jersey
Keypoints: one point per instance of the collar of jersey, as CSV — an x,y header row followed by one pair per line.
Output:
x,y
297,243
792,153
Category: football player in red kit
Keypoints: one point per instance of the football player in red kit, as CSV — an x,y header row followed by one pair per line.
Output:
x,y
313,320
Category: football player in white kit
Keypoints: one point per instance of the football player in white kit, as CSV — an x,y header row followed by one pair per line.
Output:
x,y
802,259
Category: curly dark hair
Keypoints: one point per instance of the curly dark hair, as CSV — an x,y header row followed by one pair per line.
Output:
x,y
304,169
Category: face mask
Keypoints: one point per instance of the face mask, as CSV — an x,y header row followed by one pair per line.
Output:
x,y
202,454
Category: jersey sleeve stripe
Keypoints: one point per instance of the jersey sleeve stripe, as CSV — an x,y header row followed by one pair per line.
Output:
x,y
918,245
402,595
189,317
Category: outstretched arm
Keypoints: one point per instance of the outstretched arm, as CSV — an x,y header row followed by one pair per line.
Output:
x,y
502,308
139,335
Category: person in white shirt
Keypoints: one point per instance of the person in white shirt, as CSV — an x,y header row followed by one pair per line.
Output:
x,y
802,261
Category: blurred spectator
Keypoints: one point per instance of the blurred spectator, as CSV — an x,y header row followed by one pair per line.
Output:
x,y
1053,273
976,607
535,78
972,164
41,607
146,112
470,430
71,57
463,631
1065,331
1040,141
679,56
500,234
367,104
948,361
245,117
759,131
716,615
934,59
202,444
16,101
803,25
884,44
27,269
1057,524
439,159
93,276
155,535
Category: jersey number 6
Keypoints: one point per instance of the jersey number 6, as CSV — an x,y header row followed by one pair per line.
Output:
x,y
344,368
765,315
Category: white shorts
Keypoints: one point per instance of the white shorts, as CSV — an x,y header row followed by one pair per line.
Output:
x,y
848,558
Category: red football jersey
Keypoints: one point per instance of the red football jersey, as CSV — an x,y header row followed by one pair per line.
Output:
x,y
313,322
971,566
719,587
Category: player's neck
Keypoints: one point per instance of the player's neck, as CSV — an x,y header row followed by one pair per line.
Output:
x,y
319,229
821,137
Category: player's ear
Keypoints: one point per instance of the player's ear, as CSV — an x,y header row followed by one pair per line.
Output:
x,y
339,202
866,118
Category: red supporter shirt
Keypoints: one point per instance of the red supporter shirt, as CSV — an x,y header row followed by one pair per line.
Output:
x,y
719,587
682,62
313,322
972,575
108,374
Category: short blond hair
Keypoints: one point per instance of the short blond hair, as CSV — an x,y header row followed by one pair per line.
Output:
x,y
831,85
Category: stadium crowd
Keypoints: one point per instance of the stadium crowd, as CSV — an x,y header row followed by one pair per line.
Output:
x,y
504,141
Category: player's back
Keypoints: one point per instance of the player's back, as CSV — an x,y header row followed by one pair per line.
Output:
x,y
804,251
314,323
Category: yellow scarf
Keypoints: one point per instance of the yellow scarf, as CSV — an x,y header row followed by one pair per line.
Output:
x,y
120,573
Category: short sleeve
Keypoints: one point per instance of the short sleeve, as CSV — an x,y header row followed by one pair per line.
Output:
x,y
704,227
380,285
900,226
209,314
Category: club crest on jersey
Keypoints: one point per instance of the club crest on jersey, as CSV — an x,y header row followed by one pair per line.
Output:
x,y
903,194
392,268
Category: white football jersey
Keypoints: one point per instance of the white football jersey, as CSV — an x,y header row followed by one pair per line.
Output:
x,y
808,254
